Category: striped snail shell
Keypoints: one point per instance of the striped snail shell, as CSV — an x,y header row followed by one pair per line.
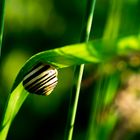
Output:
x,y
41,79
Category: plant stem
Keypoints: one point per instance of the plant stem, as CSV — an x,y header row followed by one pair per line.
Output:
x,y
113,21
14,103
2,7
79,70
111,31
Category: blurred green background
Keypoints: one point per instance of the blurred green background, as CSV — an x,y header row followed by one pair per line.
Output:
x,y
32,26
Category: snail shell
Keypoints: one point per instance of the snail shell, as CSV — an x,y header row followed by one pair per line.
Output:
x,y
41,79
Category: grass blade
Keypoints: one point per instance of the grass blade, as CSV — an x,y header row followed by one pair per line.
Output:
x,y
2,6
79,70
13,105
82,53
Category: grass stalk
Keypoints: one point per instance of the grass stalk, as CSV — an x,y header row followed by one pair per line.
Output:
x,y
103,96
2,7
113,21
16,98
79,70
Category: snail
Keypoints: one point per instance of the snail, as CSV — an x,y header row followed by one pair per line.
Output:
x,y
41,79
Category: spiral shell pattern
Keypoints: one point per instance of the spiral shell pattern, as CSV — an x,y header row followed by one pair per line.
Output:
x,y
41,79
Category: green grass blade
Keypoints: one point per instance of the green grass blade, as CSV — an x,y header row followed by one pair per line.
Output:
x,y
82,53
79,69
103,120
61,58
74,104
2,6
113,21
13,105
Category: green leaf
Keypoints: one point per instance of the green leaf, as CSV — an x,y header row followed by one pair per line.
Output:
x,y
13,105
96,51
2,5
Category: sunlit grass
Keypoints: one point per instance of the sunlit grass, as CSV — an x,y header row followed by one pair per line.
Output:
x,y
116,57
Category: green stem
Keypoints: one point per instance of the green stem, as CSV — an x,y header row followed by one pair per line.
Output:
x,y
79,70
13,105
111,31
113,22
2,7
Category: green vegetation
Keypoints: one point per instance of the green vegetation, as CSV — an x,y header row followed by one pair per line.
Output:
x,y
2,3
111,62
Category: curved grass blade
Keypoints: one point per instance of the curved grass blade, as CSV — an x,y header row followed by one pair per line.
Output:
x,y
13,105
92,52
61,58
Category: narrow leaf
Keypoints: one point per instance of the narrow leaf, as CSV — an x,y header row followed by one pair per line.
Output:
x,y
96,51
